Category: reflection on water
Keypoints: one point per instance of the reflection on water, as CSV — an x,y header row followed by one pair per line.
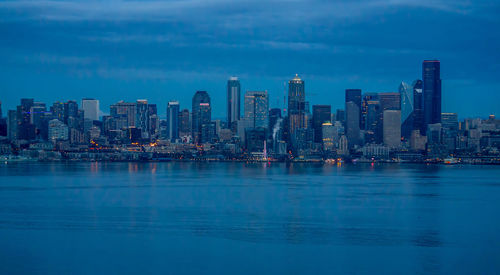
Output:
x,y
419,216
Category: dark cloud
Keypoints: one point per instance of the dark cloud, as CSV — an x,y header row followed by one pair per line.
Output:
x,y
118,49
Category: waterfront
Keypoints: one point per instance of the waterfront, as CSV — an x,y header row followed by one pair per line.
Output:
x,y
228,218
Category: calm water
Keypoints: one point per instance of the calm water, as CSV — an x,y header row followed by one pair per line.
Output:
x,y
234,218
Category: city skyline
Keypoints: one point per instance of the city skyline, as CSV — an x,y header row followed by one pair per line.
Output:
x,y
277,100
118,50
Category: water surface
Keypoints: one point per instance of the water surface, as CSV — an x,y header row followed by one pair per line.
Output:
x,y
237,218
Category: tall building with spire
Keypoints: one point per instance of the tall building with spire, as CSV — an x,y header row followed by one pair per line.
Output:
x,y
431,77
296,104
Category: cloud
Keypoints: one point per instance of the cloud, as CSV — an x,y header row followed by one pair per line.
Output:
x,y
237,13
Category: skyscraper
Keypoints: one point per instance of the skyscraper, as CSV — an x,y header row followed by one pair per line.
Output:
x,y
373,122
257,108
321,114
90,108
142,117
406,95
154,121
57,110
173,120
70,110
431,91
201,114
353,115
296,104
37,114
449,122
125,110
364,107
184,123
418,106
329,135
12,125
392,128
25,130
352,123
390,101
233,101
340,116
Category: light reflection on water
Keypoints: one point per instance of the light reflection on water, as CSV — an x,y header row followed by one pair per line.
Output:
x,y
416,218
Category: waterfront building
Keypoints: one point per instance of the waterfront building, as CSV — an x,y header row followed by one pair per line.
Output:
x,y
90,107
392,128
343,148
233,102
173,108
201,114
431,91
376,151
434,133
302,139
417,141
254,139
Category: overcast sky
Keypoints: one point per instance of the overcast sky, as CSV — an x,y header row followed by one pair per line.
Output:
x,y
166,50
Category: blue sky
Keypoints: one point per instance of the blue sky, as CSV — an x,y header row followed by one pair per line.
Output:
x,y
166,50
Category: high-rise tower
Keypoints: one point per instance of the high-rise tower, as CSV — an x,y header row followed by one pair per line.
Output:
x,y
173,120
201,114
431,91
353,115
233,101
296,104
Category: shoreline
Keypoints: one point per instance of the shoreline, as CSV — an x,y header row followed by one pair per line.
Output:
x,y
323,162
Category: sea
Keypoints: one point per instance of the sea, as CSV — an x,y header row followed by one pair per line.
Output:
x,y
248,218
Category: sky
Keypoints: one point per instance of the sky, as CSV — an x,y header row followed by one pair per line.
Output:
x,y
167,50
